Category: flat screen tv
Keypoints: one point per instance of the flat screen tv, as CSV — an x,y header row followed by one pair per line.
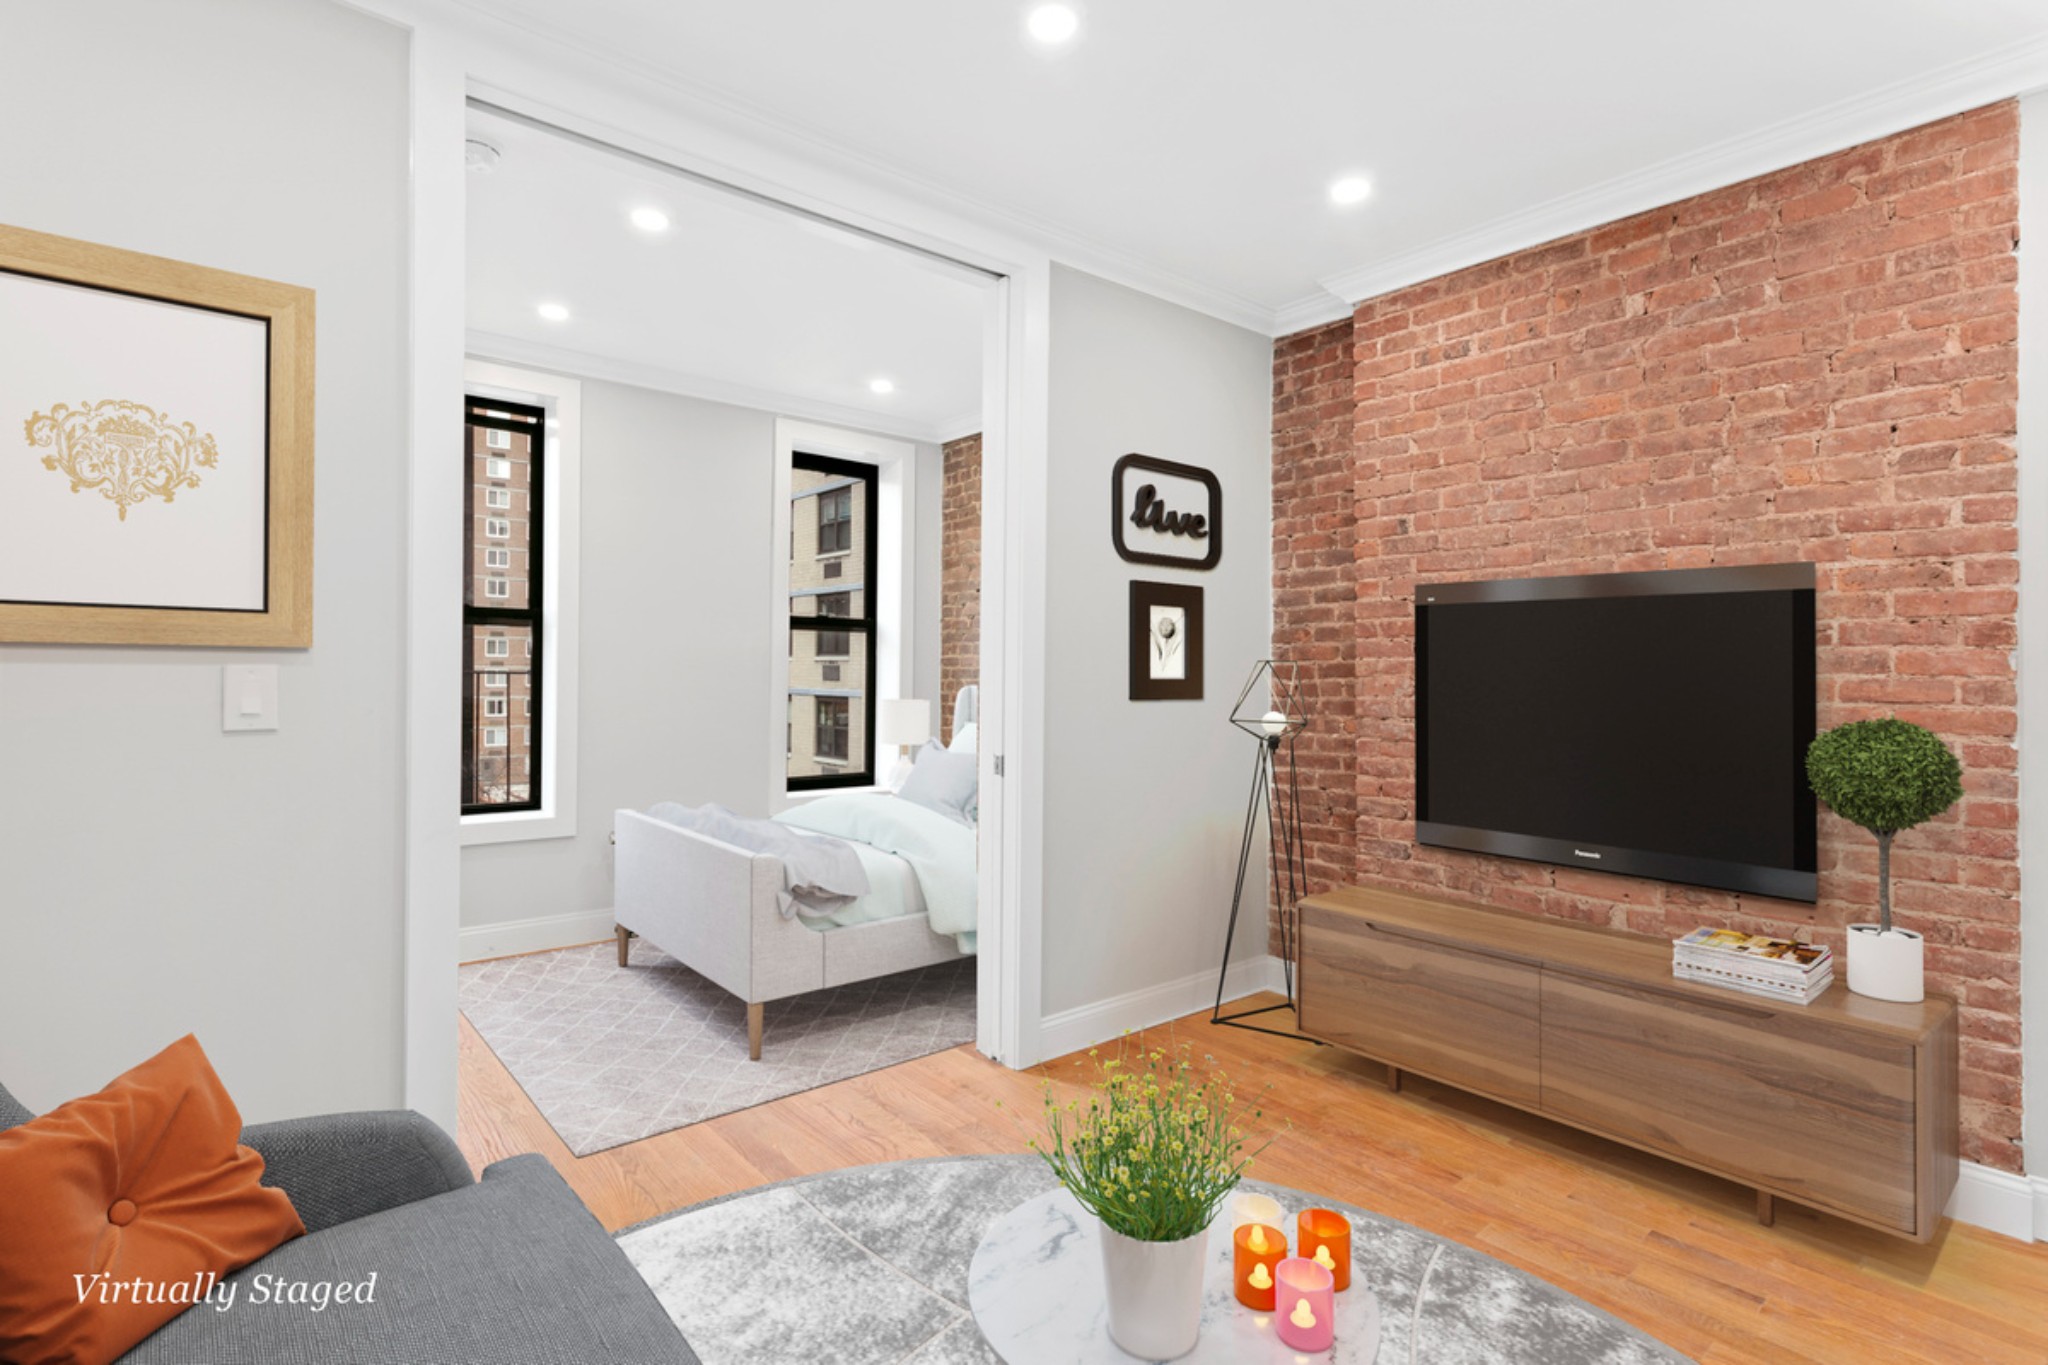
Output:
x,y
1653,724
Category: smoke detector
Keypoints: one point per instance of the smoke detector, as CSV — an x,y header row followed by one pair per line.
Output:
x,y
479,156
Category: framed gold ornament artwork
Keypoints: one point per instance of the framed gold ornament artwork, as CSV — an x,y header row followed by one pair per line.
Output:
x,y
156,450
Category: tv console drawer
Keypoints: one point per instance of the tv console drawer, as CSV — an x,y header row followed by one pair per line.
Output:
x,y
1847,1104
1821,1116
1457,1016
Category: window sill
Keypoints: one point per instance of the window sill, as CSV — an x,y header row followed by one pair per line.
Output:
x,y
516,827
798,798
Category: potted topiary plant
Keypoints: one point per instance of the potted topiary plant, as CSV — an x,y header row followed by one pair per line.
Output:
x,y
1887,776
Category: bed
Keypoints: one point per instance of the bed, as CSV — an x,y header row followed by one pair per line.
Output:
x,y
722,910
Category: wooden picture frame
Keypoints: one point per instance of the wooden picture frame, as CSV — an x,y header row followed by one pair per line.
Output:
x,y
156,450
1166,642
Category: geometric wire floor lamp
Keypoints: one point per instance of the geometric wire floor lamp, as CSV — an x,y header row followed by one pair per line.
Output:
x,y
1270,710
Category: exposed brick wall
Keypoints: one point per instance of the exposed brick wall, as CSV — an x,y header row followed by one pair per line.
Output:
x,y
1314,583
1816,364
959,577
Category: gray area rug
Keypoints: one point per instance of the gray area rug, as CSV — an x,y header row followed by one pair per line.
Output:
x,y
869,1267
610,1055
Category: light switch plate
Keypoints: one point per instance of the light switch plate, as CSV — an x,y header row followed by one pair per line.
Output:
x,y
248,697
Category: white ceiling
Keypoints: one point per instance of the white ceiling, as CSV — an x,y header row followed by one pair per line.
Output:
x,y
735,301
1187,145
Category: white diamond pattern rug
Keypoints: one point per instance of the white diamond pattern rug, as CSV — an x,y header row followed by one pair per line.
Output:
x,y
611,1055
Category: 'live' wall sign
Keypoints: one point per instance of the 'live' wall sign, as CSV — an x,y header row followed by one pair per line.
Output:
x,y
1166,513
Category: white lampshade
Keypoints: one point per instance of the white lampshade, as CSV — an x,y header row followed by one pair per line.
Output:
x,y
903,721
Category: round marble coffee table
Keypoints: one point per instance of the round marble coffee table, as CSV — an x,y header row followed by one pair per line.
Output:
x,y
1036,1290
871,1266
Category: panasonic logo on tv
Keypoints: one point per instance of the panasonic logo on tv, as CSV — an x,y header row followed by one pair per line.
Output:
x,y
1581,853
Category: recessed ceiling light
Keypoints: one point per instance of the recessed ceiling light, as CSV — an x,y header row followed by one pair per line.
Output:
x,y
649,219
1053,24
479,156
553,312
1352,189
881,386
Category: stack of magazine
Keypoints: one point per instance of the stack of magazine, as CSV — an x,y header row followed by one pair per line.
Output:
x,y
1776,968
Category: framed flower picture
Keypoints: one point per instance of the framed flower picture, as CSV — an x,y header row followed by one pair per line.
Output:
x,y
1166,642
156,450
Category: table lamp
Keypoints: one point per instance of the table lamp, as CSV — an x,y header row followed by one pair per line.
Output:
x,y
904,722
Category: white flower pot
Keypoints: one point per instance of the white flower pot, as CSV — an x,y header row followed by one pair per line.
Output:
x,y
1155,1293
1886,965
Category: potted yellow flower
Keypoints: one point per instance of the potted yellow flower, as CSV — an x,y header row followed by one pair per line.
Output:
x,y
1152,1152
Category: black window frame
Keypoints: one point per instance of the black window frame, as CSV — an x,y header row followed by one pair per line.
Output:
x,y
870,478
530,421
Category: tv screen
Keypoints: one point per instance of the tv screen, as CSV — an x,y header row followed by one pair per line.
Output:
x,y
1654,724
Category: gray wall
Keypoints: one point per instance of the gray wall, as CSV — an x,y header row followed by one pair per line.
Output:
x,y
675,616
156,876
1144,801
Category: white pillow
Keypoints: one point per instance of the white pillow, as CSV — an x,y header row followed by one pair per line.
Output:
x,y
966,739
944,782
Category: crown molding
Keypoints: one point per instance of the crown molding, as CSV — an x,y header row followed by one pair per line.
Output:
x,y
1313,310
565,360
962,424
1847,123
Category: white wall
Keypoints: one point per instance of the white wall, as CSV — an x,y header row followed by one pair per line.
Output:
x,y
675,637
674,568
1144,801
2033,669
156,876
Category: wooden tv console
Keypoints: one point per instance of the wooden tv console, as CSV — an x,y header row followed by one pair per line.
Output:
x,y
1846,1105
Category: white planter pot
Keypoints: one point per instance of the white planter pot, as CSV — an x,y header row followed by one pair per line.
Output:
x,y
1155,1293
1886,966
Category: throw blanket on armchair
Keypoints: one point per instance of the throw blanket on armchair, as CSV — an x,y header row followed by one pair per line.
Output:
x,y
939,850
819,876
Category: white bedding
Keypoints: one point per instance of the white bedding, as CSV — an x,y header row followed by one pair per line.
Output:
x,y
939,853
893,892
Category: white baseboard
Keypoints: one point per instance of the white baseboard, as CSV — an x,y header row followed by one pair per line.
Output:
x,y
537,935
1999,1201
1072,1030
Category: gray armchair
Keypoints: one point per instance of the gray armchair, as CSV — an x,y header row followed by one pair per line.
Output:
x,y
510,1269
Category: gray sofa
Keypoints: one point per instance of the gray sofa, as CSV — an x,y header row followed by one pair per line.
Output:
x,y
511,1268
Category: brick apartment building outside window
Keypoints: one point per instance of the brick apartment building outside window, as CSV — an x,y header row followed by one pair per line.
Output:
x,y
501,616
832,563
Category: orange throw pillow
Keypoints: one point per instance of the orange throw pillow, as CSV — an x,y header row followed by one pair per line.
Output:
x,y
118,1210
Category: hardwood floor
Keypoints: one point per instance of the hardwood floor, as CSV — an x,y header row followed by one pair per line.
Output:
x,y
1675,1252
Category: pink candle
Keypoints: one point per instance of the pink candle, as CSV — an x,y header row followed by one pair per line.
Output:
x,y
1304,1304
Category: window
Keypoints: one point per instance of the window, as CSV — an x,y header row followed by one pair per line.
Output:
x,y
830,718
833,728
834,644
498,609
835,521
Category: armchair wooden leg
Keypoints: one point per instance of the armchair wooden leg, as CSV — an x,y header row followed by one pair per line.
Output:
x,y
625,936
754,1012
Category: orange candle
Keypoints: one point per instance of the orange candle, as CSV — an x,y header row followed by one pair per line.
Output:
x,y
1325,1238
1259,1248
